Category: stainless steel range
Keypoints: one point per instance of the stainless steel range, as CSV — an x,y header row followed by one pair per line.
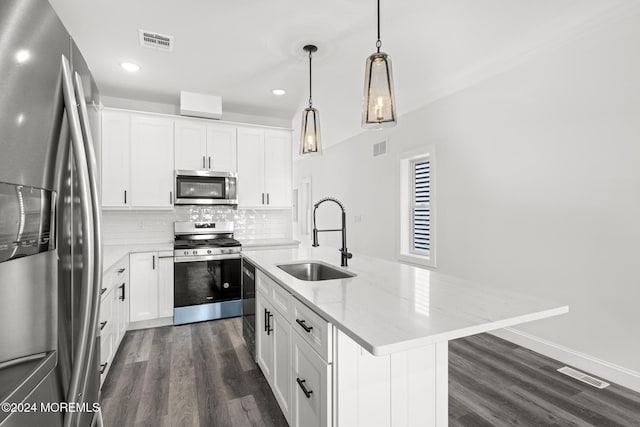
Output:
x,y
207,272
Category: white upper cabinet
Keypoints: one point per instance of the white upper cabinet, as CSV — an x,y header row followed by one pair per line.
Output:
x,y
190,145
116,144
277,168
151,161
221,148
250,168
209,147
264,168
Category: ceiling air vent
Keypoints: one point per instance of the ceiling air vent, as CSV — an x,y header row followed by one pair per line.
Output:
x,y
156,41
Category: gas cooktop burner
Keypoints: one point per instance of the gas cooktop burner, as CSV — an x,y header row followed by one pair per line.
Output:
x,y
204,239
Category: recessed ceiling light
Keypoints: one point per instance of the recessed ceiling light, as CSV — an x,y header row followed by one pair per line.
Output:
x,y
22,56
279,92
132,68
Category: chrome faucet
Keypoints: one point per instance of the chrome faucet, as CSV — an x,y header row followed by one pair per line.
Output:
x,y
345,255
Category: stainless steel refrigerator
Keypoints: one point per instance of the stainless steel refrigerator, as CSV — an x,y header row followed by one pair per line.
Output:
x,y
50,246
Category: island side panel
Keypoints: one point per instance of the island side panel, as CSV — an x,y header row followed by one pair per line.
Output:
x,y
408,388
420,387
362,385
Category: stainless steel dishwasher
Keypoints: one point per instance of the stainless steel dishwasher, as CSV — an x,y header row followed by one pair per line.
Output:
x,y
249,306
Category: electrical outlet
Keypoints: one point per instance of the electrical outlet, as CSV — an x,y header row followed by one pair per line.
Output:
x,y
357,218
140,224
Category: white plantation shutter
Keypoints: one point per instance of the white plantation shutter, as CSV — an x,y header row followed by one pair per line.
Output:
x,y
420,209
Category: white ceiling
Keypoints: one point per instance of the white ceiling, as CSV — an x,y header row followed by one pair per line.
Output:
x,y
243,49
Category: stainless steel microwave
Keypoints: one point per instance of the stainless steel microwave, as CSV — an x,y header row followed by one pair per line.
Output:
x,y
198,187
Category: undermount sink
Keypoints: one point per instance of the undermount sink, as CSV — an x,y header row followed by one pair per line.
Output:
x,y
314,271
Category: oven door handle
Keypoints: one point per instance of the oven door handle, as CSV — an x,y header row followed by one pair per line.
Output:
x,y
205,258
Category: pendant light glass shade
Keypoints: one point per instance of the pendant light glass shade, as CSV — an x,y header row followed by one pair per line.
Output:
x,y
310,138
379,103
379,109
310,131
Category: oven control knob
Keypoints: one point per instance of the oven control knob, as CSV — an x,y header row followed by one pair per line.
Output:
x,y
226,285
186,252
209,251
195,252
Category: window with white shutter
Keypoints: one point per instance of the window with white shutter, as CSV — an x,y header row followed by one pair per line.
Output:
x,y
417,242
420,212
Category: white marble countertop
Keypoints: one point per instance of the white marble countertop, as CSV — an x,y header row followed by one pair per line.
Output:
x,y
113,253
390,307
262,243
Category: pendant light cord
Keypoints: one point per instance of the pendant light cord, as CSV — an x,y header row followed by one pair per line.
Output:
x,y
379,42
310,103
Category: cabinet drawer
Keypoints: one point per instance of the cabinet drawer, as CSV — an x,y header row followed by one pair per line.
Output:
x,y
275,294
281,300
313,329
263,284
312,383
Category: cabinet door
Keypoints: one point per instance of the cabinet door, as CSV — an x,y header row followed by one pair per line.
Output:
x,y
165,286
122,309
311,400
116,144
221,149
277,168
250,168
151,162
144,286
190,145
264,339
282,362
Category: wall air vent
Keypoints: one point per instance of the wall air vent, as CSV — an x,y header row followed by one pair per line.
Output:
x,y
379,148
156,41
581,376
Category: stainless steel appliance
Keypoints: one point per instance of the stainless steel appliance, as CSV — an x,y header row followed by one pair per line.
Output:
x,y
50,247
249,306
207,269
205,188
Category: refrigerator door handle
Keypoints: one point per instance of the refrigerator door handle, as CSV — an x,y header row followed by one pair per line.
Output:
x,y
97,226
86,297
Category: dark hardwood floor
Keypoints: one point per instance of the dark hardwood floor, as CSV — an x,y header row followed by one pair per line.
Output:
x,y
190,375
202,375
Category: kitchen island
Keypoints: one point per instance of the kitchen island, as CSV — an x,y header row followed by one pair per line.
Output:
x,y
388,328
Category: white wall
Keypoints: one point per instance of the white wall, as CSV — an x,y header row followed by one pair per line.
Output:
x,y
538,186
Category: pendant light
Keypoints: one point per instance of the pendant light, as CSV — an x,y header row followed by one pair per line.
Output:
x,y
310,137
379,108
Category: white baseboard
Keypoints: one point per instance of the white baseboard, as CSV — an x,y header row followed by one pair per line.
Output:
x,y
584,362
155,323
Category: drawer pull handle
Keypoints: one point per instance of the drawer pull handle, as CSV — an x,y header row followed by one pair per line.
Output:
x,y
103,367
103,324
122,294
304,326
306,392
121,270
103,290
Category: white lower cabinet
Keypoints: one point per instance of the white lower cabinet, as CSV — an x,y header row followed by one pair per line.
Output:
x,y
281,381
273,350
264,342
151,286
311,404
287,361
114,312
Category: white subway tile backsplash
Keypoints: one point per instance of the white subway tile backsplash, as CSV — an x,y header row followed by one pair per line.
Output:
x,y
134,227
